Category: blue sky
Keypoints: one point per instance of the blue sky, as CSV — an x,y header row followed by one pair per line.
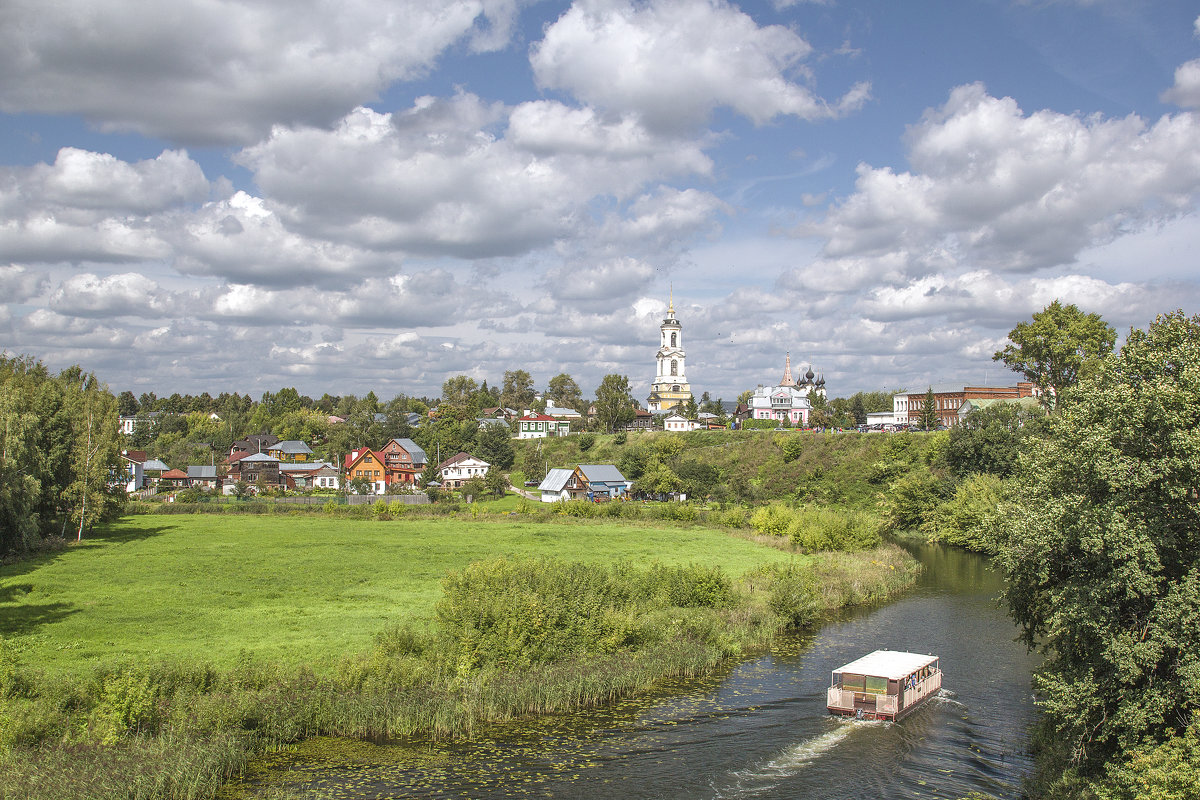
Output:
x,y
210,196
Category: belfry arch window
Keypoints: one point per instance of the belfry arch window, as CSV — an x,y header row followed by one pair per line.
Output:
x,y
673,335
674,366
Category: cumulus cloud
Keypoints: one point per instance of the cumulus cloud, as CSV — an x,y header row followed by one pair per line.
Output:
x,y
1186,91
673,61
458,176
222,73
90,206
18,283
993,187
89,295
242,240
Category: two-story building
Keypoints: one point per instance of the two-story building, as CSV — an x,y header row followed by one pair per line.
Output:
x,y
459,469
404,460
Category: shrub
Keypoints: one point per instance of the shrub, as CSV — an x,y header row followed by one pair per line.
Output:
x,y
772,520
586,440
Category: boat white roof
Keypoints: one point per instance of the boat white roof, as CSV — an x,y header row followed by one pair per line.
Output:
x,y
892,664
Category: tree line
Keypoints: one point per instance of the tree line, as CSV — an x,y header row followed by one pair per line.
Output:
x,y
61,470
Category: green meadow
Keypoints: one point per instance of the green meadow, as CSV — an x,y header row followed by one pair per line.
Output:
x,y
292,590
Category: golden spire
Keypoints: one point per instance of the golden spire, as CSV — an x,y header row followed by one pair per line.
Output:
x,y
671,310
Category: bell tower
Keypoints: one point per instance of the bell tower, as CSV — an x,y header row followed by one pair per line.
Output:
x,y
670,386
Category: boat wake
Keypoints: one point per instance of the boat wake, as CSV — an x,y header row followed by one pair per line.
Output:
x,y
764,777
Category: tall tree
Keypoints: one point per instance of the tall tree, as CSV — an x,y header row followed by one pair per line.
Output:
x,y
1056,348
858,409
494,445
518,390
565,392
614,403
929,416
1100,546
457,394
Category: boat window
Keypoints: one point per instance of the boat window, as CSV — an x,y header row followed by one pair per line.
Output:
x,y
876,685
852,681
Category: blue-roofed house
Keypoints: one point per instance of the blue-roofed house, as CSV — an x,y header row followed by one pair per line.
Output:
x,y
601,481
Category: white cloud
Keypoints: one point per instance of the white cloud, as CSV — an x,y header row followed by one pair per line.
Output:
x,y
992,187
244,241
90,295
441,178
18,283
1186,91
674,61
90,206
224,72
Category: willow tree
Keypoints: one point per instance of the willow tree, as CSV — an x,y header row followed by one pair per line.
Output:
x,y
1101,549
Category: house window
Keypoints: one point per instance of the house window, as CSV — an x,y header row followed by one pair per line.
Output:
x,y
674,367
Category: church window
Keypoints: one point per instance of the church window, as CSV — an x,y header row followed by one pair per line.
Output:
x,y
673,339
674,367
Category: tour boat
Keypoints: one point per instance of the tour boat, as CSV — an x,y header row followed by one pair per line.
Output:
x,y
886,684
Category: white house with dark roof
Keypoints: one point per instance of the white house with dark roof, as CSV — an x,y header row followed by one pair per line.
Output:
x,y
461,468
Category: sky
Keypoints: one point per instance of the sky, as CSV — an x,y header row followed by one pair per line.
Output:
x,y
354,195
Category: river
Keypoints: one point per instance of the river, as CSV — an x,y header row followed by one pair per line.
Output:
x,y
757,729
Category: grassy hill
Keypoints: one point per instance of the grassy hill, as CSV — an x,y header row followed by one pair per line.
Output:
x,y
848,470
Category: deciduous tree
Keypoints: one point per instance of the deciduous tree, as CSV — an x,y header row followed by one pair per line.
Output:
x,y
614,404
1101,550
565,392
1056,348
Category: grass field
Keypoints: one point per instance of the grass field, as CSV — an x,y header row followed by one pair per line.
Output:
x,y
293,590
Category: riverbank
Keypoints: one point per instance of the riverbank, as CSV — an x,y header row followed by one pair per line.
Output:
x,y
160,726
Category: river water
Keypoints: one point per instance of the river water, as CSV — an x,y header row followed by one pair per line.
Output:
x,y
758,729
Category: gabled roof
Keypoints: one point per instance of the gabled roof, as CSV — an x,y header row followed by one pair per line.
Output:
x,y
174,475
458,459
134,455
555,411
537,418
259,458
153,465
602,473
555,480
202,472
350,462
291,446
413,449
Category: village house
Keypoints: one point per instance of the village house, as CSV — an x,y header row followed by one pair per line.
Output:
x,y
303,475
254,470
367,465
561,485
459,469
290,450
203,477
642,420
404,460
539,426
